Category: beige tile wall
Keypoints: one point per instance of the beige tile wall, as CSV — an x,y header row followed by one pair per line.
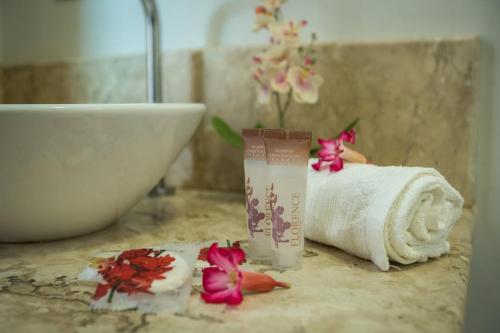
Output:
x,y
1,84
415,99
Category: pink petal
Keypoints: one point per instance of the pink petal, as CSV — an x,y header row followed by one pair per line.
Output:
x,y
353,136
349,136
232,296
324,142
323,153
237,254
217,297
337,165
220,258
236,297
214,280
316,166
330,157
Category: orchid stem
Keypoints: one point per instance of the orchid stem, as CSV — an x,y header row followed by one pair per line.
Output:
x,y
281,119
281,114
287,103
282,109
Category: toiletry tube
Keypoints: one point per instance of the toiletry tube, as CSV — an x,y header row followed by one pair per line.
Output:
x,y
258,220
287,154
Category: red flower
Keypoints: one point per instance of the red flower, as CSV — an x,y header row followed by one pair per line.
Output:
x,y
334,152
133,271
224,282
203,254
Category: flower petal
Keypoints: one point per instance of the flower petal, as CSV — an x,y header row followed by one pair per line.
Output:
x,y
232,296
218,297
337,165
235,297
324,153
214,280
316,166
220,258
308,96
348,136
263,93
101,290
237,254
326,143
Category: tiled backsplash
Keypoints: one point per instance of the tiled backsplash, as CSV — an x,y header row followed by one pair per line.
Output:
x,y
1,85
415,99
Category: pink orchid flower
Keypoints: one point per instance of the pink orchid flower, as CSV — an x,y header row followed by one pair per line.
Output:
x,y
287,34
279,80
270,77
224,281
263,17
305,83
334,152
262,77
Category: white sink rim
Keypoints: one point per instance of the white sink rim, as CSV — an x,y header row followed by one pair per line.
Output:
x,y
159,130
104,107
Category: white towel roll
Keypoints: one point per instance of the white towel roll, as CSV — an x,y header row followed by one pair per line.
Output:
x,y
379,213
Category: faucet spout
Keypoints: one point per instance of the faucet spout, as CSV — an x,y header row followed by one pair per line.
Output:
x,y
153,51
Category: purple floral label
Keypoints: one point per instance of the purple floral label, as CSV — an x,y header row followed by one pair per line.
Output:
x,y
279,225
254,216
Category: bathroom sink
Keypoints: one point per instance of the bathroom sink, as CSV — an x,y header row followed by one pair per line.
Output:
x,y
70,169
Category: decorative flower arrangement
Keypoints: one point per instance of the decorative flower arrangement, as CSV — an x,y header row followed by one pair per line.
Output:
x,y
225,282
132,272
283,73
333,152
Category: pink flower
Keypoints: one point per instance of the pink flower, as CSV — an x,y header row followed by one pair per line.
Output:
x,y
263,79
287,33
334,152
305,83
263,18
270,74
279,79
224,282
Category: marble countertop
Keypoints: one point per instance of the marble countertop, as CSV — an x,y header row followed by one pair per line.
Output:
x,y
333,291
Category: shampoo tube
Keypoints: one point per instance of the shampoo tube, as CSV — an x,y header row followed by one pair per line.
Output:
x,y
258,220
287,155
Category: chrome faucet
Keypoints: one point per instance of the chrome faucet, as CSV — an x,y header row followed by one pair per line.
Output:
x,y
153,51
153,72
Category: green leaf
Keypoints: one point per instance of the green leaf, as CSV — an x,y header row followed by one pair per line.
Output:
x,y
313,151
227,133
349,127
259,125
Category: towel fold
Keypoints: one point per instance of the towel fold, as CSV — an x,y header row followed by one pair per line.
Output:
x,y
379,213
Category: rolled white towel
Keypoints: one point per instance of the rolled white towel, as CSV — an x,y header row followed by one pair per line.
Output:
x,y
379,213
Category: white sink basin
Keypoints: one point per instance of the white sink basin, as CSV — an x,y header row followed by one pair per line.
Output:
x,y
66,170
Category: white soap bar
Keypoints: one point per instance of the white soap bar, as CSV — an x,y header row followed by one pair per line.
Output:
x,y
174,278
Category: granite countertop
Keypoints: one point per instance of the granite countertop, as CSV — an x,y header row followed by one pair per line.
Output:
x,y
333,291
